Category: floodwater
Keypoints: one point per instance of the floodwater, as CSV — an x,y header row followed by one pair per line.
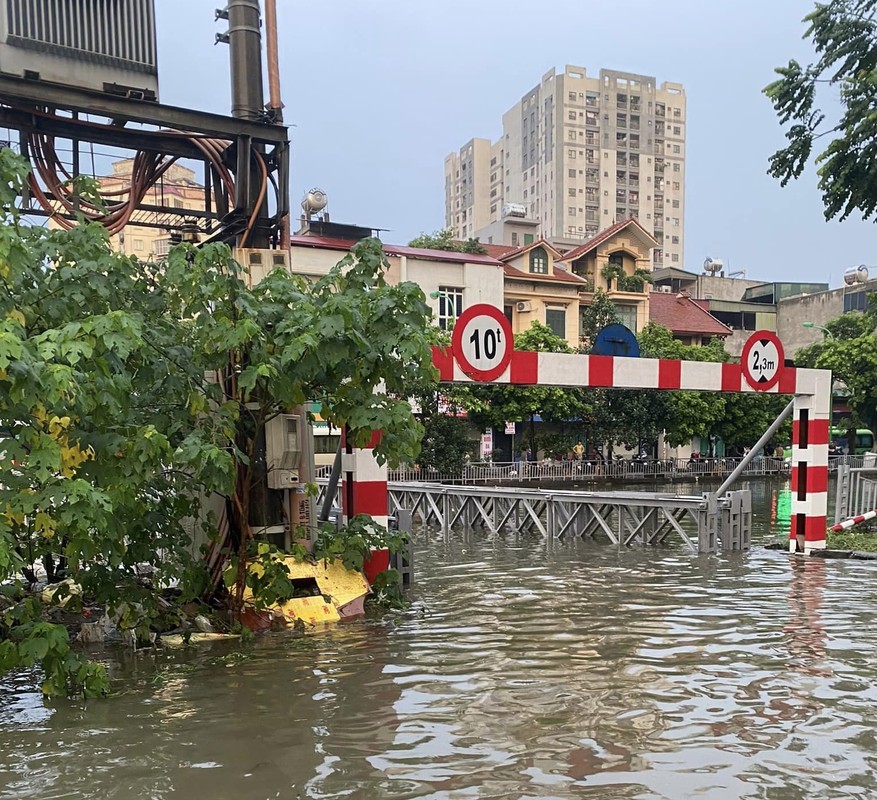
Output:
x,y
519,671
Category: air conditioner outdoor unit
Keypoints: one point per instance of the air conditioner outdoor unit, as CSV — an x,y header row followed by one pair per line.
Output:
x,y
283,451
524,305
664,289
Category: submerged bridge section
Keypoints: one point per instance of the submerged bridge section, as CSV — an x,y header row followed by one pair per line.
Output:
x,y
702,523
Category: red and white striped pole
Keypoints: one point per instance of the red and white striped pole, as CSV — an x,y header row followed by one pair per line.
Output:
x,y
363,481
810,436
853,521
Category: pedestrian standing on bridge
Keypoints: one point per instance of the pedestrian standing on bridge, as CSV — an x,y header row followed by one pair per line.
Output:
x,y
578,451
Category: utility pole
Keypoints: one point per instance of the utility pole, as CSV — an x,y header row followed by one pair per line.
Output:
x,y
244,38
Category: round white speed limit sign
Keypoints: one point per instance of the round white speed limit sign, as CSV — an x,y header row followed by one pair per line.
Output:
x,y
482,342
762,360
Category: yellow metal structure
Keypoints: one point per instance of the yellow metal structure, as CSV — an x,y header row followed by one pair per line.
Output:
x,y
341,592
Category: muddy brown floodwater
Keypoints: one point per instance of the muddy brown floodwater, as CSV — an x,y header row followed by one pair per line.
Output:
x,y
520,671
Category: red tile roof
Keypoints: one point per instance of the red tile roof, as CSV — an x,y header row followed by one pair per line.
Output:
x,y
517,251
684,316
559,276
603,235
328,243
498,250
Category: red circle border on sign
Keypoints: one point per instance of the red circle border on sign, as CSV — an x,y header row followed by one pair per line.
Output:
x,y
744,360
481,309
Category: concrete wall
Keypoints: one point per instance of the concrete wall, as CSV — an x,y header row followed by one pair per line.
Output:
x,y
313,260
815,308
717,288
481,283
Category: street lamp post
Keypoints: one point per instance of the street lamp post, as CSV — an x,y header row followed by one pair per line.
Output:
x,y
450,304
828,333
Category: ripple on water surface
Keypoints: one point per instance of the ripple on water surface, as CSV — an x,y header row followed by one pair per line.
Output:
x,y
520,672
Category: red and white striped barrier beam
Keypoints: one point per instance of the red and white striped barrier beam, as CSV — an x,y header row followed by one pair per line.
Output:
x,y
529,368
482,352
853,521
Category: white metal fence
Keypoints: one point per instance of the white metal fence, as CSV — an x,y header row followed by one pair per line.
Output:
x,y
595,470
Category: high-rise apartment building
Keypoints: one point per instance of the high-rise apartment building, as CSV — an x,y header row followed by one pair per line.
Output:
x,y
577,154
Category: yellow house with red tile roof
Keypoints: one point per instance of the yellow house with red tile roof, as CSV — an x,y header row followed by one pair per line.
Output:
x,y
612,261
538,287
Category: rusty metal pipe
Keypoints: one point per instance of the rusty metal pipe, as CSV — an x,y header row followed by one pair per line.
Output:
x,y
275,104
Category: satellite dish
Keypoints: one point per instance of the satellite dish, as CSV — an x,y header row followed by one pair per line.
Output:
x,y
315,200
713,265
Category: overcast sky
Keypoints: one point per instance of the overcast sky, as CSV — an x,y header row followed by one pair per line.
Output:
x,y
379,91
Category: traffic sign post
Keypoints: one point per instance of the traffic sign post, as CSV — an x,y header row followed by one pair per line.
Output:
x,y
762,360
482,342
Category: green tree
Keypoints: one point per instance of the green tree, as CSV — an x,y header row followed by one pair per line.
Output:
x,y
125,389
492,406
445,444
444,240
851,355
738,419
600,313
844,36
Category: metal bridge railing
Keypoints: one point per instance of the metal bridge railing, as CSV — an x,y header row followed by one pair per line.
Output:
x,y
856,490
493,472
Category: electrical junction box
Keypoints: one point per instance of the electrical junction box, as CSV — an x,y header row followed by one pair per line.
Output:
x,y
101,45
283,451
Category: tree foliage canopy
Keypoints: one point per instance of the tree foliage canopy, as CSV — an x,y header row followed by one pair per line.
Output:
x,y
127,388
444,240
844,36
851,355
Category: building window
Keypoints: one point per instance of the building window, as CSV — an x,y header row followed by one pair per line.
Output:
x,y
572,173
675,222
627,315
528,239
856,301
450,305
539,260
675,186
571,191
572,116
675,204
675,258
570,212
572,153
555,318
675,240
572,97
677,148
675,168
514,238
